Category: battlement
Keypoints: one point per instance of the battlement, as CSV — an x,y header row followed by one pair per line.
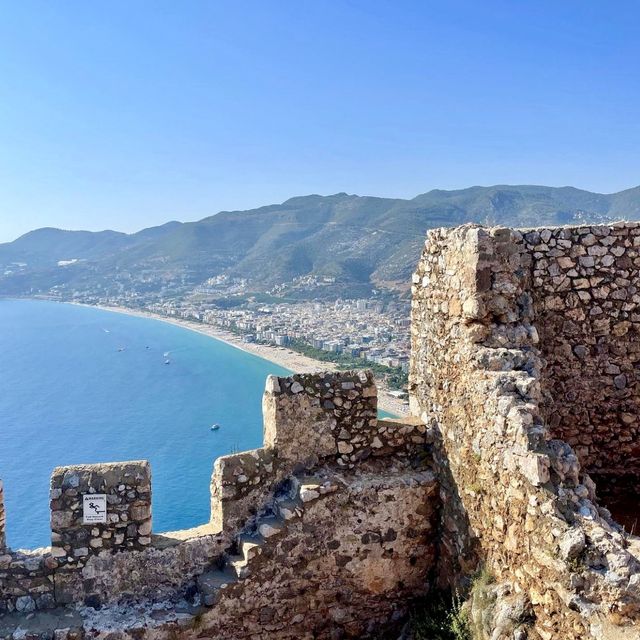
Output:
x,y
81,527
101,520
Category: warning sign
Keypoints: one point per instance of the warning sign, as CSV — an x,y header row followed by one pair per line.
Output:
x,y
94,508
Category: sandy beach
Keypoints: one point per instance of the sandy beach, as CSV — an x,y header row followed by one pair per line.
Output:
x,y
281,356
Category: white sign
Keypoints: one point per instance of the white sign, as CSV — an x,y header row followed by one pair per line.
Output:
x,y
94,508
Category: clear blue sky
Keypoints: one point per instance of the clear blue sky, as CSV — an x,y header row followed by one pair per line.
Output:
x,y
125,114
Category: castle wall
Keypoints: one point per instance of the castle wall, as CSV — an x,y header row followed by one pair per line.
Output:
x,y
104,564
351,562
127,487
515,499
352,553
586,290
308,419
26,581
338,411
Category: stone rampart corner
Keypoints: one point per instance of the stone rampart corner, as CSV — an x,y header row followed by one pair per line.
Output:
x,y
517,338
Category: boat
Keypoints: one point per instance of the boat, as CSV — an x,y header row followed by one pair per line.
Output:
x,y
215,426
167,361
121,349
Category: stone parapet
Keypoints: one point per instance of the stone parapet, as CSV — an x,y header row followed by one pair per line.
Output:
x,y
122,489
314,416
240,484
309,421
26,581
585,288
344,554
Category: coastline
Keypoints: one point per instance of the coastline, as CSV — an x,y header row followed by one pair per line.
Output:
x,y
292,360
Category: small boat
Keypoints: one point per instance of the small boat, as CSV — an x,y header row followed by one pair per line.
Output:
x,y
215,426
166,354
167,361
121,349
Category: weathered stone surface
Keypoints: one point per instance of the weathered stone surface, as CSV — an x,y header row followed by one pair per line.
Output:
x,y
572,544
308,419
515,499
589,326
523,373
127,486
100,564
305,419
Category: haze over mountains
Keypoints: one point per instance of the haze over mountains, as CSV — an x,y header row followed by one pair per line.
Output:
x,y
355,241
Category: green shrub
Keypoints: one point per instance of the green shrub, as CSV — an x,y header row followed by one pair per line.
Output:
x,y
441,617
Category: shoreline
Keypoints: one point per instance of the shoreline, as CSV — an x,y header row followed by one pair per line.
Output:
x,y
282,356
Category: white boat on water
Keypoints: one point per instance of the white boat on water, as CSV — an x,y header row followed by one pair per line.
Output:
x,y
215,426
167,361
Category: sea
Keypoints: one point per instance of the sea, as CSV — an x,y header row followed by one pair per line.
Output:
x,y
82,385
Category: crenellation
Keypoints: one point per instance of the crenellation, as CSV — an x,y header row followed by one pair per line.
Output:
x,y
240,483
310,417
127,521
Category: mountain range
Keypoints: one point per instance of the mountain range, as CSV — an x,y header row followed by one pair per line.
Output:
x,y
353,241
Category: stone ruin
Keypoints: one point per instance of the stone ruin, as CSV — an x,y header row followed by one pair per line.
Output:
x,y
526,367
523,442
328,530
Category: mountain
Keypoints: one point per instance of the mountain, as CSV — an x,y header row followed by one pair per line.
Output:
x,y
354,241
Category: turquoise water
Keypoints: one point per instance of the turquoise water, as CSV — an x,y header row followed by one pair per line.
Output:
x,y
68,395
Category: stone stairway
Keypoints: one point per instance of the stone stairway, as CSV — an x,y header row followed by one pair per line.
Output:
x,y
237,562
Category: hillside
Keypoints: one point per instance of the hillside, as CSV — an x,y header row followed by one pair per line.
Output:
x,y
356,241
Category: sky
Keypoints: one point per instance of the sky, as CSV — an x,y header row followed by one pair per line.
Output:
x,y
126,114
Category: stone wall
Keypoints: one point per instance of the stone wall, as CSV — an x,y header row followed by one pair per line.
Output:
x,y
304,418
586,289
26,581
127,486
110,566
308,419
240,484
514,499
338,411
347,566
